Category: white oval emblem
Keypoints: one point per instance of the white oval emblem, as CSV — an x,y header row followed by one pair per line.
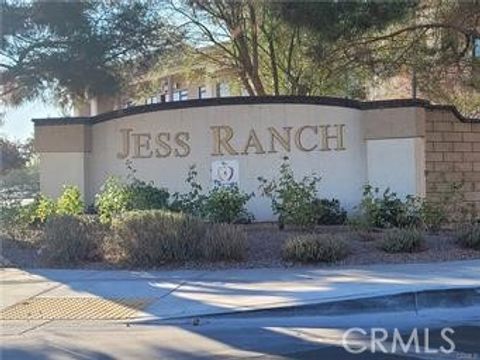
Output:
x,y
225,173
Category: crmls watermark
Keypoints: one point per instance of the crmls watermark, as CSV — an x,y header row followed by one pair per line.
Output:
x,y
357,340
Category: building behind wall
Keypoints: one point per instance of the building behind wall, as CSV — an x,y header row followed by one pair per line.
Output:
x,y
169,85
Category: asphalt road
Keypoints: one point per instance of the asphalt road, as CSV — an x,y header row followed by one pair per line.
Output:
x,y
465,338
281,337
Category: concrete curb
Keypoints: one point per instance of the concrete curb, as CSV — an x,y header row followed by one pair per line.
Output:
x,y
411,301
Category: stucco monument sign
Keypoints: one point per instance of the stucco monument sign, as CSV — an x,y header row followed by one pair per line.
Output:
x,y
236,140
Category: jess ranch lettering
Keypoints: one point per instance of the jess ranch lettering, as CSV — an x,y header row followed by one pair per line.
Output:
x,y
225,141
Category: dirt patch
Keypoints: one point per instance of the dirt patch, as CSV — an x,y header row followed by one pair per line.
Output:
x,y
264,249
266,242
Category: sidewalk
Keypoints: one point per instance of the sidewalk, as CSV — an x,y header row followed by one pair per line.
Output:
x,y
174,294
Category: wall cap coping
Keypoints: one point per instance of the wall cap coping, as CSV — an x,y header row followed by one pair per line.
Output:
x,y
253,100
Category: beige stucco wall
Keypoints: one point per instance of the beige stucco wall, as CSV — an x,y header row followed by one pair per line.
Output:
x,y
62,168
63,138
394,123
85,155
397,163
343,172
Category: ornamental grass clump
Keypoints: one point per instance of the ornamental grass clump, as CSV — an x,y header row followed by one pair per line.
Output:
x,y
402,240
155,237
224,242
313,248
468,236
72,239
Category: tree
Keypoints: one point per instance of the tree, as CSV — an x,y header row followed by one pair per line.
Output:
x,y
428,41
268,47
14,155
78,49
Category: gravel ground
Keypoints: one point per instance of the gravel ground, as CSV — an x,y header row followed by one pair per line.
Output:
x,y
265,243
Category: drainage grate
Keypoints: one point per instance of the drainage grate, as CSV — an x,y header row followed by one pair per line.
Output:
x,y
75,308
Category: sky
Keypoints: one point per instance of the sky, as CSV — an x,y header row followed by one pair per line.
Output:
x,y
18,121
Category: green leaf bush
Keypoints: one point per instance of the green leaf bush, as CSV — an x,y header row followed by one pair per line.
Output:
x,y
38,212
227,204
221,204
292,200
71,239
404,240
146,196
312,248
329,212
70,201
113,199
116,197
387,210
468,236
193,201
17,219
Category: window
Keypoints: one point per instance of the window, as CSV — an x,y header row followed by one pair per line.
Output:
x,y
180,95
222,90
183,95
476,48
151,100
202,92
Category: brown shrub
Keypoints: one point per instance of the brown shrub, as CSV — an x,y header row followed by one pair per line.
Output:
x,y
315,248
156,237
468,236
407,240
224,242
150,238
71,239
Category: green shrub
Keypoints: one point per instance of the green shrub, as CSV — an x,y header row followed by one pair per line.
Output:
x,y
433,215
146,196
113,199
70,202
220,204
224,242
193,201
116,197
40,210
384,210
291,200
315,248
406,240
70,239
227,204
468,236
329,212
154,237
15,215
